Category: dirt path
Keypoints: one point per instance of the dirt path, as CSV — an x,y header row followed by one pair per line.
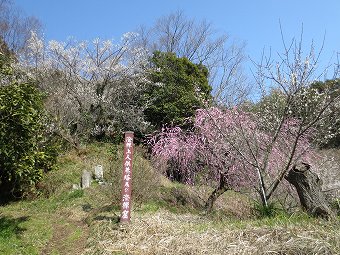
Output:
x,y
69,237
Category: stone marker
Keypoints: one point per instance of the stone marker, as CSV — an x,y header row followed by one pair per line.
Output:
x,y
75,186
99,173
86,179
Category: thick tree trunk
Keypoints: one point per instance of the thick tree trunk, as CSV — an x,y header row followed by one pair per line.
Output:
x,y
308,187
216,193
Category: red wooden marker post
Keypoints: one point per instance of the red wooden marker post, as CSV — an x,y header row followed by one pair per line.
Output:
x,y
127,178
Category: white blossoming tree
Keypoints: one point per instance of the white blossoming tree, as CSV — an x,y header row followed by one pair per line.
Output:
x,y
289,81
93,89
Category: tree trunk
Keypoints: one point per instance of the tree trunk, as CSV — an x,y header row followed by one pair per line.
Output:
x,y
308,187
216,193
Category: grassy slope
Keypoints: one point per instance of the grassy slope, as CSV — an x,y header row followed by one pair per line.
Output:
x,y
167,217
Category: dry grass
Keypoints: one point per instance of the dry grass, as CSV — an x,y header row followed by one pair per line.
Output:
x,y
167,233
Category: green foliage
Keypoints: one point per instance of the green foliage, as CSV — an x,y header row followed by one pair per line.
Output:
x,y
270,210
26,152
178,87
76,194
6,72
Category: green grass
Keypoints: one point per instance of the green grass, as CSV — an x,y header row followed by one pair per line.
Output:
x,y
150,207
23,234
77,233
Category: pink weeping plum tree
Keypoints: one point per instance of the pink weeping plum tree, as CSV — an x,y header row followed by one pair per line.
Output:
x,y
232,148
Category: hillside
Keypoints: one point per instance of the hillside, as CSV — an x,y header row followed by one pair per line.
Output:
x,y
167,218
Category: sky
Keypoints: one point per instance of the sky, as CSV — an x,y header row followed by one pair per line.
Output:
x,y
255,22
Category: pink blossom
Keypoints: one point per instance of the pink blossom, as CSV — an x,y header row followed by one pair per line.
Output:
x,y
229,143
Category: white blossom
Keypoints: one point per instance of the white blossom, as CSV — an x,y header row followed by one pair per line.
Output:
x,y
80,77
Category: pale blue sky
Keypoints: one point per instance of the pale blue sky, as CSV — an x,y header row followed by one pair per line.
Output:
x,y
254,21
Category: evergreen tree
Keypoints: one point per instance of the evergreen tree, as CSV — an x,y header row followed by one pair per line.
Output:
x,y
178,87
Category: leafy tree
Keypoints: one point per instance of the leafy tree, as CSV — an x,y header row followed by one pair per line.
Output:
x,y
26,152
6,69
178,87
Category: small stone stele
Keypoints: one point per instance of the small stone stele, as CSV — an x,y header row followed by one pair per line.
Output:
x,y
99,173
75,186
86,179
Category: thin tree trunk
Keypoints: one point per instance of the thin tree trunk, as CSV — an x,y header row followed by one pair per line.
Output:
x,y
215,194
308,187
262,189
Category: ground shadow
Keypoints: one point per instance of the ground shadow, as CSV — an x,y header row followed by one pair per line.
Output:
x,y
10,226
5,199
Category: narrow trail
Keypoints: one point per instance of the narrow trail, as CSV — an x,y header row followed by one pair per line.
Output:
x,y
69,237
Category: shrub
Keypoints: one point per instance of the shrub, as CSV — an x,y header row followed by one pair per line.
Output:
x,y
26,152
270,210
